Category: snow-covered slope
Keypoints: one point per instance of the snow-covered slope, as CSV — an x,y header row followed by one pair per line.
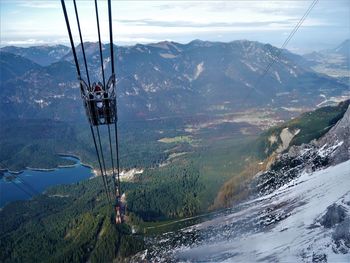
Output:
x,y
307,219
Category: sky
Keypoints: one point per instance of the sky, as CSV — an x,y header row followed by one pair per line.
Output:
x,y
29,22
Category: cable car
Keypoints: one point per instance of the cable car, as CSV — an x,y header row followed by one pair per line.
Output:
x,y
100,103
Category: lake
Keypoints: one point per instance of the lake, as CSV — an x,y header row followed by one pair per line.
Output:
x,y
23,185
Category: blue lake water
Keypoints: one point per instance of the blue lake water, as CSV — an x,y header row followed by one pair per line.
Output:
x,y
30,180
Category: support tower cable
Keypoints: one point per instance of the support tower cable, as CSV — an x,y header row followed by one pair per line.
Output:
x,y
280,51
81,42
81,85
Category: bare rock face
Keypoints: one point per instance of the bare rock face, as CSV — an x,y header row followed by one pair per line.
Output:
x,y
339,134
335,214
341,237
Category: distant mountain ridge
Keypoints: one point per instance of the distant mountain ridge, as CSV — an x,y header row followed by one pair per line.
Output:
x,y
344,48
334,62
168,78
42,55
13,66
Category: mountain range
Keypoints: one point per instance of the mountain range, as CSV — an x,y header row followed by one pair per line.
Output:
x,y
43,55
162,79
334,62
342,51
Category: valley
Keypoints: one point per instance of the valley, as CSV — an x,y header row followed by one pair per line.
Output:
x,y
333,62
195,127
160,199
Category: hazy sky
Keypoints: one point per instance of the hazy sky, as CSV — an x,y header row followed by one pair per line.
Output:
x,y
28,22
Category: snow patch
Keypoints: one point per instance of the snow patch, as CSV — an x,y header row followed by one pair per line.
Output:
x,y
324,151
167,55
278,77
140,49
291,71
199,70
249,66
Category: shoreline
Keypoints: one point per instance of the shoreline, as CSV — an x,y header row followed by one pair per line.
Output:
x,y
66,166
38,169
95,172
74,157
11,172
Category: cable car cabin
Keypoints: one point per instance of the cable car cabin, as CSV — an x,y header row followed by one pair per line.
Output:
x,y
119,208
100,103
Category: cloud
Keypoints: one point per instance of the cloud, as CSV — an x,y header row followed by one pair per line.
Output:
x,y
133,40
146,24
179,23
24,42
39,4
199,14
152,21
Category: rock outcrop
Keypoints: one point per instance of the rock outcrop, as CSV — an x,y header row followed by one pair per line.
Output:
x,y
331,149
338,133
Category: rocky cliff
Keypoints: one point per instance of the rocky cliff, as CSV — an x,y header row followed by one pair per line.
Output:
x,y
329,150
